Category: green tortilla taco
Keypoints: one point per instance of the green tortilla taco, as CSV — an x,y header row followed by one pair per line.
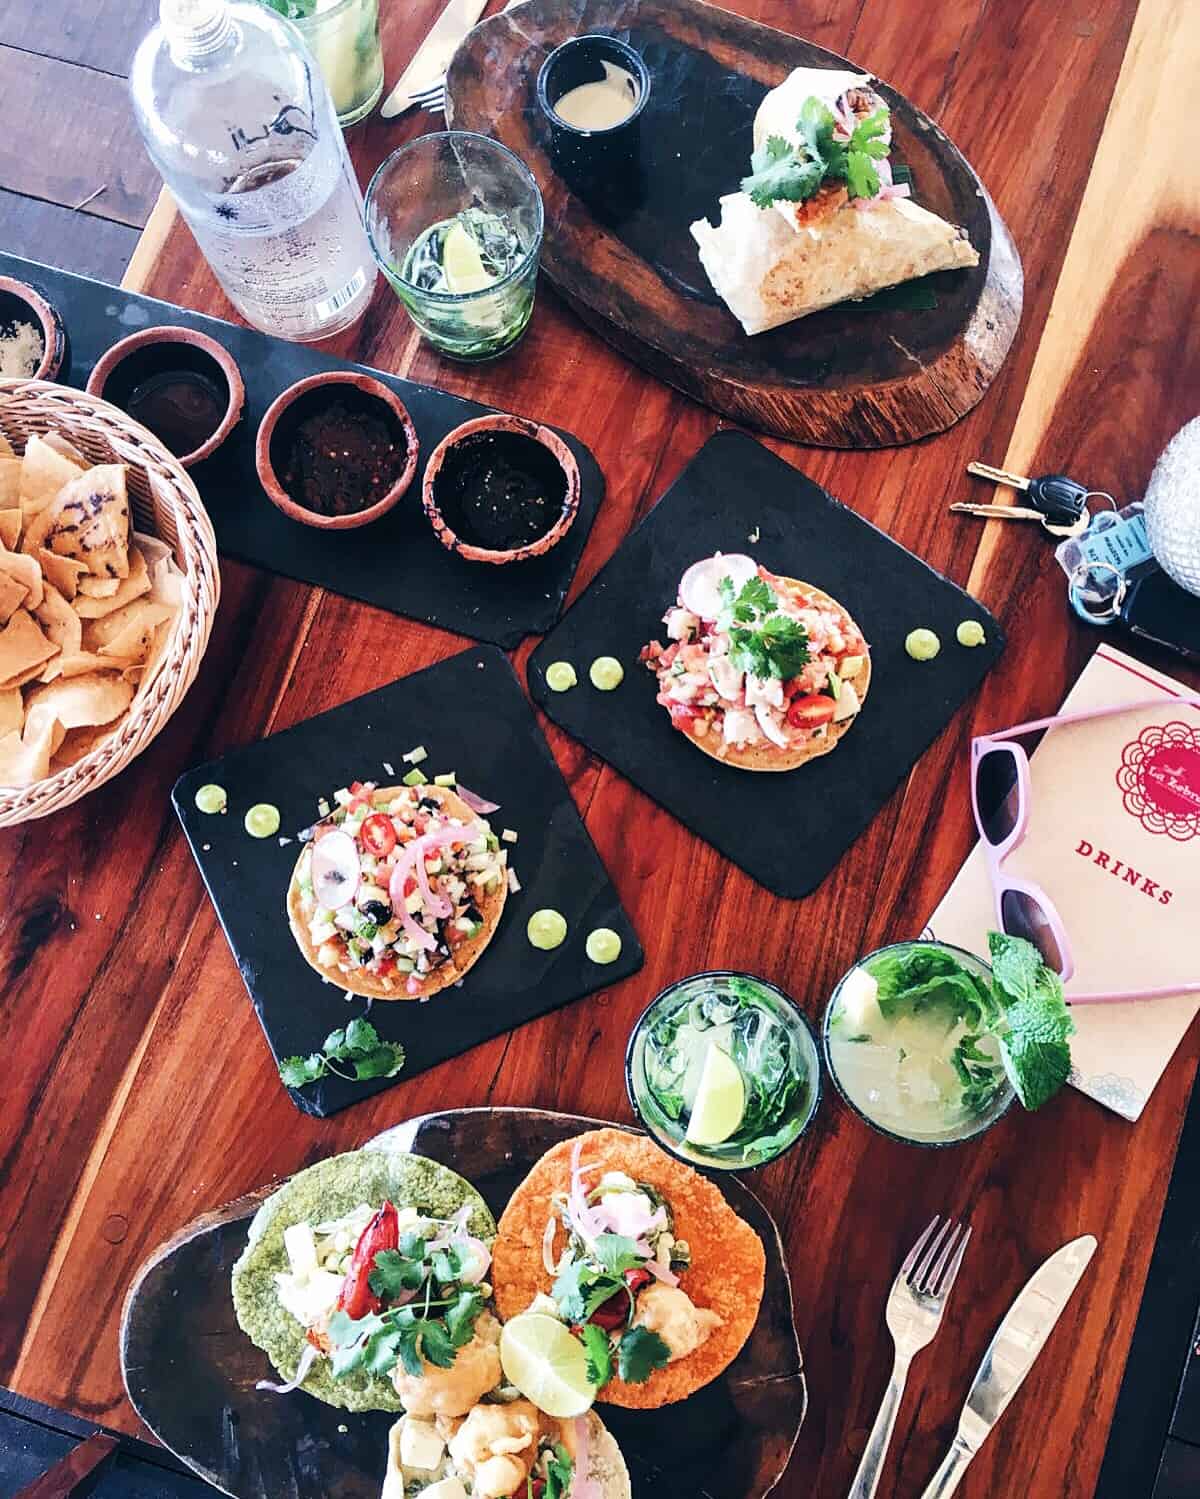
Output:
x,y
363,1282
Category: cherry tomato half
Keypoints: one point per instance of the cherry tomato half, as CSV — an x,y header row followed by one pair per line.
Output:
x,y
810,711
377,835
637,1279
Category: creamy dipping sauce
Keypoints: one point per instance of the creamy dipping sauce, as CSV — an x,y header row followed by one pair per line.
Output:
x,y
603,104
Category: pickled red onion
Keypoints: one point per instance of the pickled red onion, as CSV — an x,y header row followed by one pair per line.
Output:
x,y
476,802
661,1272
583,1485
307,1359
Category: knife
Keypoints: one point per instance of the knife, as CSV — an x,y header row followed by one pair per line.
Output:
x,y
1012,1353
433,55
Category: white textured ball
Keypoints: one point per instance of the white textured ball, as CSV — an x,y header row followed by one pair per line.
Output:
x,y
1173,507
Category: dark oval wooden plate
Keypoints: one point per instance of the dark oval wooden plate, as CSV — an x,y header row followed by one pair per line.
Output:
x,y
622,255
191,1372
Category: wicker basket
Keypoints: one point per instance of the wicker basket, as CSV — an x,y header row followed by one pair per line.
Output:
x,y
166,504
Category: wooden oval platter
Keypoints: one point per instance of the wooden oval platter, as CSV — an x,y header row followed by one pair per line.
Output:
x,y
621,254
191,1372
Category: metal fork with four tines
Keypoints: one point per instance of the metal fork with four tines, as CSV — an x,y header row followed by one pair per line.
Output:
x,y
433,96
914,1314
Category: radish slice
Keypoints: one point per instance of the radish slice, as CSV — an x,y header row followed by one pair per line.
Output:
x,y
335,870
477,803
307,1359
699,588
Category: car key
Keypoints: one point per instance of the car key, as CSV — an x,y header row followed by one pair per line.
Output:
x,y
1156,608
1060,499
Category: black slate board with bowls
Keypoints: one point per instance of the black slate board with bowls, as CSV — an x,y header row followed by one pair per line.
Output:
x,y
786,830
471,716
191,1372
395,562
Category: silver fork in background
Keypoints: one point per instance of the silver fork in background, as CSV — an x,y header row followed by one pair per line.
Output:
x,y
433,96
914,1313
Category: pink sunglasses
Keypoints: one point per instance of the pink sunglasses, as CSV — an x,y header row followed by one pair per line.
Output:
x,y
1000,798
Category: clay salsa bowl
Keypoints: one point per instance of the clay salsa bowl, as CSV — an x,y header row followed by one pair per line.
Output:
x,y
293,406
442,461
22,303
171,350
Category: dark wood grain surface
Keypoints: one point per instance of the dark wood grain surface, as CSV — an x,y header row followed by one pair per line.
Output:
x,y
619,249
139,1091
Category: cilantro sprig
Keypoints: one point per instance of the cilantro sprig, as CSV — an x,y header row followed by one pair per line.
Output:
x,y
356,1053
560,1470
639,1353
795,173
582,1287
430,1327
762,641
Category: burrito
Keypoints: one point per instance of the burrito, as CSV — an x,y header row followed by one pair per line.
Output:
x,y
820,219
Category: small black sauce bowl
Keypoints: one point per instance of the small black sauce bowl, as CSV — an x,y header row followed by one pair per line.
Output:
x,y
587,155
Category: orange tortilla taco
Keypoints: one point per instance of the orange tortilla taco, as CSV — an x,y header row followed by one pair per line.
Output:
x,y
398,892
640,1253
761,671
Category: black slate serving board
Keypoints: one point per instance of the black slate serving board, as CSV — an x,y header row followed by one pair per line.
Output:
x,y
191,1372
471,715
396,562
786,830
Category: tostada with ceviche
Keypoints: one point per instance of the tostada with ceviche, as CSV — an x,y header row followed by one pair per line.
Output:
x,y
639,1256
398,890
760,671
364,1280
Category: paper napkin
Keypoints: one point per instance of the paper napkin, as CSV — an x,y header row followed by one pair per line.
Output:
x,y
1114,840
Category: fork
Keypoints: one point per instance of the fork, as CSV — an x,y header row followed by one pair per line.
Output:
x,y
914,1313
433,96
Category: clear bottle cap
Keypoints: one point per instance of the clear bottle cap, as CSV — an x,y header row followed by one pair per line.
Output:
x,y
194,26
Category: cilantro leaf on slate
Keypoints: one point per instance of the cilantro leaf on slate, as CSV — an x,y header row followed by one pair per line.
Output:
x,y
599,1354
358,1046
361,1035
639,1353
294,1072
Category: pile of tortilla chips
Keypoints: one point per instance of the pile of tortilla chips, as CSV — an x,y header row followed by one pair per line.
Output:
x,y
86,606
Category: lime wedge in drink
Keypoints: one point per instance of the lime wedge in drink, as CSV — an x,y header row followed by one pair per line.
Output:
x,y
720,1100
462,264
548,1365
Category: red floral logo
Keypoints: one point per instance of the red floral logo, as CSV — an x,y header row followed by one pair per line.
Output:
x,y
1160,780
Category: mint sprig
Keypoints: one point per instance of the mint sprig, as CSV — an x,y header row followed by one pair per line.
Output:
x,y
762,641
1036,1027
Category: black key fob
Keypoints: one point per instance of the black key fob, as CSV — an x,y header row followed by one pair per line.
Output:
x,y
1159,610
1060,499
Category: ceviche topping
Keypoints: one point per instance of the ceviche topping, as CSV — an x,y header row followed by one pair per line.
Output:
x,y
394,880
755,659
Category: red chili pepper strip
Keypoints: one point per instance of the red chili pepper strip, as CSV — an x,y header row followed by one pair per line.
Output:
x,y
383,1232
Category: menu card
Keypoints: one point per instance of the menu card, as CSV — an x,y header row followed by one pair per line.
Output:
x,y
1114,840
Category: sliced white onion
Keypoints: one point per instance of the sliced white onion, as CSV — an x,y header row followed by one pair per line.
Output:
x,y
514,884
477,803
480,1258
699,588
549,1263
335,870
307,1359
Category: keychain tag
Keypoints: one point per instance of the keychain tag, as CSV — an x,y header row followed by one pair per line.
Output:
x,y
1113,540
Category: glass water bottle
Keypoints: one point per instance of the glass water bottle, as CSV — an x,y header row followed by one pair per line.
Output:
x,y
239,122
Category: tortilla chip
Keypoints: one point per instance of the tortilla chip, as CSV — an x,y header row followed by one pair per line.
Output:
x,y
59,621
127,631
727,1273
24,650
10,529
26,572
12,710
26,760
12,596
75,665
6,447
87,519
67,450
10,484
64,572
43,473
79,742
99,588
80,703
124,590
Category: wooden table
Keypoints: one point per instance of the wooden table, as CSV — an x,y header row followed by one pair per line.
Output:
x,y
139,1090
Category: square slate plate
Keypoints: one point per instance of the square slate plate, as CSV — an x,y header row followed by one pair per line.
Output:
x,y
471,715
786,830
396,562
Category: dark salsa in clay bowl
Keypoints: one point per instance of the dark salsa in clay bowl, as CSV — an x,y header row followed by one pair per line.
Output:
x,y
501,489
336,450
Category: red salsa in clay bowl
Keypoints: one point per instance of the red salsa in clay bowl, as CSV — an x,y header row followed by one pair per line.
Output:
x,y
501,489
336,450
